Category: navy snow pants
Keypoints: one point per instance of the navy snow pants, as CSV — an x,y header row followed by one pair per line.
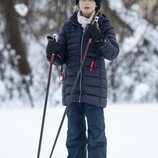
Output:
x,y
77,142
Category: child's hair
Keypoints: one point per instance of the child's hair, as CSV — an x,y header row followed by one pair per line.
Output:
x,y
76,8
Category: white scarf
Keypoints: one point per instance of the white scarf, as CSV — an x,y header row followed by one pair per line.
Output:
x,y
83,20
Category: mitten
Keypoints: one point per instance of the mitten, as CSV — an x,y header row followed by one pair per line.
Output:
x,y
97,37
51,47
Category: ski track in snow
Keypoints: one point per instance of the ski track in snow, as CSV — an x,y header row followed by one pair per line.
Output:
x,y
131,132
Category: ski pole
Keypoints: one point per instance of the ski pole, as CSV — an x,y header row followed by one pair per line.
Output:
x,y
45,103
45,106
72,91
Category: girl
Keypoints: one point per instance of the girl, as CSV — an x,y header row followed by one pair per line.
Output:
x,y
90,95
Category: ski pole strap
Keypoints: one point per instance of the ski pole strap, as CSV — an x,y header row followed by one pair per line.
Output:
x,y
52,59
92,65
61,73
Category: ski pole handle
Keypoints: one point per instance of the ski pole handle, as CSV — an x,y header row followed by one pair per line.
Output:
x,y
53,38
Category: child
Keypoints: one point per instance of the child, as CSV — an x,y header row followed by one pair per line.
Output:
x,y
90,95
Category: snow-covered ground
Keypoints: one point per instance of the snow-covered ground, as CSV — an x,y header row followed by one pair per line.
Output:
x,y
132,132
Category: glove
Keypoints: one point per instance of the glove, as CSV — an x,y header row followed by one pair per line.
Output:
x,y
96,35
51,47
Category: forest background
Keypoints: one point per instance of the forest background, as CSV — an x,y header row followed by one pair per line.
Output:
x,y
24,25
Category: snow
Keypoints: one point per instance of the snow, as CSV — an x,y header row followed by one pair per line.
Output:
x,y
21,9
140,91
2,88
142,28
136,63
131,131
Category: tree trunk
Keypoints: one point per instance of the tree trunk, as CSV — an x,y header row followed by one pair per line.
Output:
x,y
14,36
16,43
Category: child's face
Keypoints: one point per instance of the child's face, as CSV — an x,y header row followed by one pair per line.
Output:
x,y
87,7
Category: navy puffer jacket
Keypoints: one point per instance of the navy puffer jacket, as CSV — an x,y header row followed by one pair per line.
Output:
x,y
92,85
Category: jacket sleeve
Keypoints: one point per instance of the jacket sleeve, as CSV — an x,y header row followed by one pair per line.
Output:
x,y
62,46
111,49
